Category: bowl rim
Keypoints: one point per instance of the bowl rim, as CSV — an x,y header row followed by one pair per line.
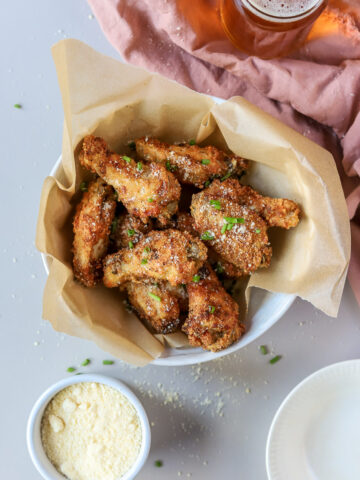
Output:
x,y
35,448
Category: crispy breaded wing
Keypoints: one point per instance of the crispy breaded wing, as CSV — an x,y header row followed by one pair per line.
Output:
x,y
92,222
278,212
236,233
146,189
155,305
213,321
128,230
167,255
190,164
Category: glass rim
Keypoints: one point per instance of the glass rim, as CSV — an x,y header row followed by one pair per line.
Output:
x,y
266,16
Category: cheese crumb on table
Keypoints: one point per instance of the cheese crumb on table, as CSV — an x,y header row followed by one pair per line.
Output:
x,y
90,430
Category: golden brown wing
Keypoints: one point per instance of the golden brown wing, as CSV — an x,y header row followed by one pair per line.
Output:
x,y
167,255
128,230
155,305
278,212
146,190
190,164
236,233
213,321
92,222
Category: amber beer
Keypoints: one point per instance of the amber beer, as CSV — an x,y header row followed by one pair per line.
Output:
x,y
269,28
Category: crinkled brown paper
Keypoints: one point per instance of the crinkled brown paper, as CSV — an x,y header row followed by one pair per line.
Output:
x,y
119,102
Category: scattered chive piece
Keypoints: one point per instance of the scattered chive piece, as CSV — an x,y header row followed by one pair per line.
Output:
x,y
127,159
257,230
170,167
158,463
17,105
131,245
71,369
192,142
83,186
207,236
229,226
114,225
79,373
240,220
216,204
219,268
85,362
108,362
139,166
144,261
207,183
150,200
227,175
132,145
275,359
131,232
234,220
155,297
211,309
223,229
196,278
147,249
205,161
263,349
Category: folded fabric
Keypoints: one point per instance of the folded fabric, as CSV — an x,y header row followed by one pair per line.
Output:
x,y
316,91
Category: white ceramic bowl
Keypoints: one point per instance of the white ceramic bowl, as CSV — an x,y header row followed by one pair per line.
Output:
x,y
33,436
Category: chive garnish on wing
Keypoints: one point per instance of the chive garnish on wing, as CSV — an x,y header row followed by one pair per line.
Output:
x,y
155,297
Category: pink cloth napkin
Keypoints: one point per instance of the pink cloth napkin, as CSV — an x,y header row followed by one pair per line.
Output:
x,y
316,91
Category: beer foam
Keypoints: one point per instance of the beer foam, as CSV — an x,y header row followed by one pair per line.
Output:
x,y
283,8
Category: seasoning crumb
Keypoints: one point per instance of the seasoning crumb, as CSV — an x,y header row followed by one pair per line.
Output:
x,y
247,390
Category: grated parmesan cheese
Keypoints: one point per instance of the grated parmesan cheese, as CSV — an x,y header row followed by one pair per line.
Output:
x,y
91,431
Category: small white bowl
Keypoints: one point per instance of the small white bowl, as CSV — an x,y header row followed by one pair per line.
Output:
x,y
33,435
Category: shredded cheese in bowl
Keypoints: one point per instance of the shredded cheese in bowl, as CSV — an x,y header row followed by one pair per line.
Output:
x,y
91,431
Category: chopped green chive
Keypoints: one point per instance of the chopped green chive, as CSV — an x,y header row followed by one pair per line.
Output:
x,y
144,261
17,105
131,232
158,463
71,369
83,186
170,167
205,161
147,249
216,204
229,226
132,145
275,359
223,229
207,236
257,230
207,183
234,220
263,349
219,268
85,362
114,225
155,297
211,309
192,142
131,245
108,362
127,159
196,278
227,175
139,166
150,200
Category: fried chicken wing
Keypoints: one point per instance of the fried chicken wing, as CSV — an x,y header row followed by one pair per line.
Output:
x,y
190,164
278,212
167,255
128,230
146,189
213,321
91,226
154,304
236,233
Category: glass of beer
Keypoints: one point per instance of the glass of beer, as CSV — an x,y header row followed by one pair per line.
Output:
x,y
269,28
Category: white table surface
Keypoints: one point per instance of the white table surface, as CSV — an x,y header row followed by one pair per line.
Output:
x,y
208,422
